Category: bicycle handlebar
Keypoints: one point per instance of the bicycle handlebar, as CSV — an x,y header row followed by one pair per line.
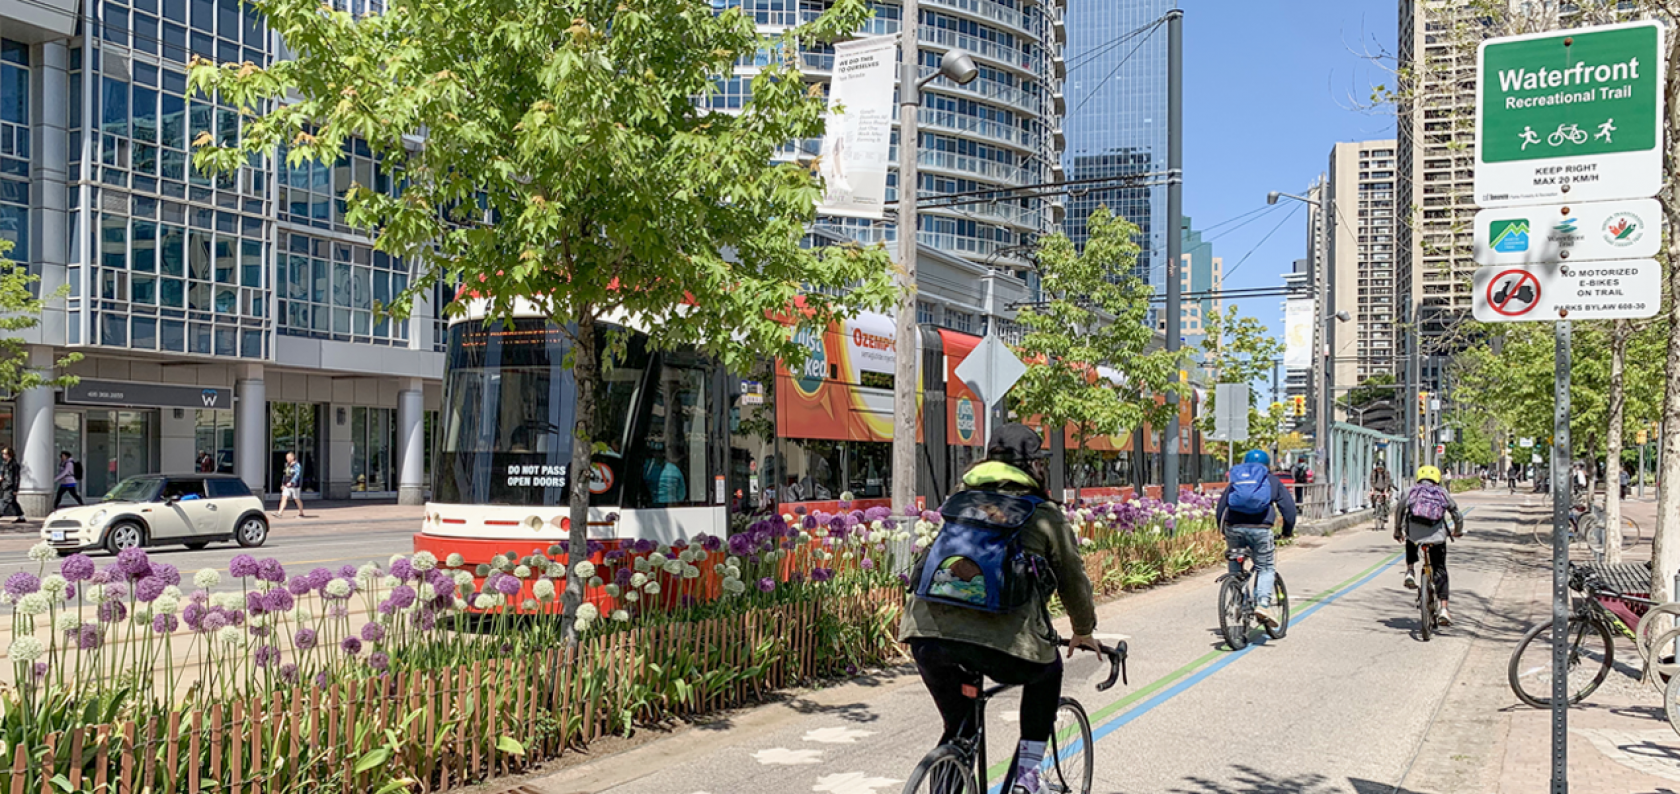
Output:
x,y
1116,656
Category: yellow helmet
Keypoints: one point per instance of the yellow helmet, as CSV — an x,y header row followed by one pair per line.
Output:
x,y
1429,473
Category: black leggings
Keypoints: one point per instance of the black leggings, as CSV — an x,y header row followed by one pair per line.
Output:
x,y
947,665
1437,561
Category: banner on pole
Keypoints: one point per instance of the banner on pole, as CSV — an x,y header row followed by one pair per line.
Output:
x,y
857,139
1298,333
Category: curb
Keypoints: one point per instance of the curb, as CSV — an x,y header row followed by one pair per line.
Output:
x,y
1334,524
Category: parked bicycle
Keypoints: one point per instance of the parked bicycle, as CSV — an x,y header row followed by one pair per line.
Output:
x,y
1237,601
959,766
1587,530
1604,611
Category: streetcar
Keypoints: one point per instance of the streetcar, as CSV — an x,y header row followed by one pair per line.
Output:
x,y
683,447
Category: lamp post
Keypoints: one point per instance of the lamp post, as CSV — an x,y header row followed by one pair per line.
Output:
x,y
1321,426
959,67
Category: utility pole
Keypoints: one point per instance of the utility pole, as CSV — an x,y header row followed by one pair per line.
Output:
x,y
904,338
1408,403
1175,235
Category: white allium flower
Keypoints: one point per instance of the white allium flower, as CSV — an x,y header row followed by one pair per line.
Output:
x,y
26,649
142,613
389,582
596,581
367,573
585,569
632,596
95,593
207,578
637,580
455,560
543,589
423,561
499,561
42,551
54,585
613,590
687,555
731,572
463,578
733,586
338,588
231,635
66,623
691,572
556,571
426,591
847,555
641,564
530,605
33,604
172,591
656,559
256,621
393,560
789,518
700,555
588,611
166,604
733,562
522,572
460,604
621,616
583,625
483,601
673,566
652,588
304,615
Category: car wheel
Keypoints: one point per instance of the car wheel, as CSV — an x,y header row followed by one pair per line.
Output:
x,y
124,535
197,544
253,532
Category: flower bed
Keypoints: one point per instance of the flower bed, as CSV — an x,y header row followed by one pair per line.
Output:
x,y
419,674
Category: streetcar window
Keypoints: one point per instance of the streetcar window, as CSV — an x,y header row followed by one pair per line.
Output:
x,y
673,450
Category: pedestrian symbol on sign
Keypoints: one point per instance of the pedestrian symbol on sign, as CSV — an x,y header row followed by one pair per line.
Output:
x,y
1514,292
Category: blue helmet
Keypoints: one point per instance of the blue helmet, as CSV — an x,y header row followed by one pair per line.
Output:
x,y
1258,456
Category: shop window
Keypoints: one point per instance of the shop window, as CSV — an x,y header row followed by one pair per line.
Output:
x,y
372,439
213,439
292,427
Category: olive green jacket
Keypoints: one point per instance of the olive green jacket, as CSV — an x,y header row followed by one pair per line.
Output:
x,y
1024,633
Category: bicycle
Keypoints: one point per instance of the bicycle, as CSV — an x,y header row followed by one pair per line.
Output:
x,y
1588,634
1568,132
1429,601
1586,527
1379,512
1237,602
951,767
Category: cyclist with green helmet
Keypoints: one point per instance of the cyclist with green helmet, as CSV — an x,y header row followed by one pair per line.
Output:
x,y
1248,508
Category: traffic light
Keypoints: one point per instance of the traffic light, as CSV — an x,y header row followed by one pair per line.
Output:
x,y
1639,438
1300,404
1423,403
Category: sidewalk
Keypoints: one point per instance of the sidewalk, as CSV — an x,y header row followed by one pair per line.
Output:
x,y
1484,741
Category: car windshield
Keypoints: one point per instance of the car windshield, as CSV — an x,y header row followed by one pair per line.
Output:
x,y
133,489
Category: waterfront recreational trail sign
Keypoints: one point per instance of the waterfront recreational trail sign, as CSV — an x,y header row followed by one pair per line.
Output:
x,y
1570,116
1625,229
1613,290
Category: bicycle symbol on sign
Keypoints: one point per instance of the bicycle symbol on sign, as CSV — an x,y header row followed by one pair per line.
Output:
x,y
1568,132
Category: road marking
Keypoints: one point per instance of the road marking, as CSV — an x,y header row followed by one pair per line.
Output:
x,y
852,783
841,735
781,756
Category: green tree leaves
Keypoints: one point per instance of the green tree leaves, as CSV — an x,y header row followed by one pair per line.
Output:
x,y
20,310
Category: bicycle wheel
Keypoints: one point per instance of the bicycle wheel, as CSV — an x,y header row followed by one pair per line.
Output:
x,y
1590,656
1631,533
1071,765
943,771
1426,603
1280,609
1543,532
1671,703
1234,614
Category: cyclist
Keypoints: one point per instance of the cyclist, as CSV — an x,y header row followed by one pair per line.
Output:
x,y
955,646
1381,483
1422,518
1247,509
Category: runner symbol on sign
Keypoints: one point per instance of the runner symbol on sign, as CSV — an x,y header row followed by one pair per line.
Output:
x,y
1517,292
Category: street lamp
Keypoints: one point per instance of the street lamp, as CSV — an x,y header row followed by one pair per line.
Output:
x,y
1321,429
958,66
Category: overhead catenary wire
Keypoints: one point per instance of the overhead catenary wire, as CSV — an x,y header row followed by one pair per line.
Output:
x,y
1233,270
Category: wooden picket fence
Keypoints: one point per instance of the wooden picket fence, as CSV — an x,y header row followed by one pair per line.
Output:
x,y
439,729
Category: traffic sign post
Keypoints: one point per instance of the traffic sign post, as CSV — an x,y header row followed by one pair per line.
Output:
x,y
1567,118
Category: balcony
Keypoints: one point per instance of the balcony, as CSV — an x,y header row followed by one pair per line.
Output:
x,y
967,165
1012,57
965,124
990,11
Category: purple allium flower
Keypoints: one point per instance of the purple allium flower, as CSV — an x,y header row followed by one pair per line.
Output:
x,y
797,577
877,513
278,600
799,511
164,624
169,574
712,543
821,574
300,585
149,588
623,576
613,557
104,575
379,661
741,545
237,617
679,545
867,564
809,523
259,631
339,610
270,570
508,586
40,671
845,504
347,571
351,646
69,591
86,637
904,579
319,577
426,620
387,607
404,596
200,597
322,679
930,516
243,565
133,563
766,584
594,547
254,603
289,674
112,612
76,568
851,669
214,622
305,639
116,591
645,546
403,570
267,656
193,615
21,584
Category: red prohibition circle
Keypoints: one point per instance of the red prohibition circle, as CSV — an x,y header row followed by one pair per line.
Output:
x,y
1523,277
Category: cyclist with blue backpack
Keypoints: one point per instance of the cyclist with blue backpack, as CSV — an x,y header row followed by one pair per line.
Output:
x,y
1250,505
980,594
1422,519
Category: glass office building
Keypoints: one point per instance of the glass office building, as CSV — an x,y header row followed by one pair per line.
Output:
x,y
1116,120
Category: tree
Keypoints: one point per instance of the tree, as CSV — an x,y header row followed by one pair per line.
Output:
x,y
20,310
1094,313
1238,349
564,162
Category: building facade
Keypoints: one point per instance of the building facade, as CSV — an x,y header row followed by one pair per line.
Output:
x,y
1200,276
1117,121
1361,274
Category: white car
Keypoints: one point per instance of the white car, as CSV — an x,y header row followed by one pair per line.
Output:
x,y
194,510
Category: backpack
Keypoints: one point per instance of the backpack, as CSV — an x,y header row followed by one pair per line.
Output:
x,y
1428,501
976,561
1251,488
76,469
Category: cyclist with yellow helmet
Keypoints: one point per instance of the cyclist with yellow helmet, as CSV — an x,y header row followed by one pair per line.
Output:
x,y
1422,519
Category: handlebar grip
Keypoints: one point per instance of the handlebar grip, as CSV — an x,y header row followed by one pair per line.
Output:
x,y
1116,656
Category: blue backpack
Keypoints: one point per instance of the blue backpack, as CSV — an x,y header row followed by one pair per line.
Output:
x,y
977,561
1251,488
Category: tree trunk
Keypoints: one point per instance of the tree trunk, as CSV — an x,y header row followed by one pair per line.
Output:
x,y
1613,446
1665,549
586,372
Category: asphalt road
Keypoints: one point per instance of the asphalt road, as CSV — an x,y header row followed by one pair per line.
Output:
x,y
1340,705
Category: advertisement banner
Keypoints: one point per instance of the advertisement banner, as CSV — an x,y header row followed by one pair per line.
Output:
x,y
853,163
844,392
1298,333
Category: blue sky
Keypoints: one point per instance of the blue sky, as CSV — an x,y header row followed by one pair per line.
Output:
x,y
1270,86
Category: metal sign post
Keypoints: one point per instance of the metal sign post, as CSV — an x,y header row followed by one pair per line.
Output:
x,y
1561,495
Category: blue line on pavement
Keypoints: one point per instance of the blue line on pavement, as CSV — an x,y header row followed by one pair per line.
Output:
x,y
1126,717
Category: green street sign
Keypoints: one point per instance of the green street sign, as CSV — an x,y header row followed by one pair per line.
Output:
x,y
1570,115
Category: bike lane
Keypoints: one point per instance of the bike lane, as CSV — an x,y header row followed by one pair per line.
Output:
x,y
1338,704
